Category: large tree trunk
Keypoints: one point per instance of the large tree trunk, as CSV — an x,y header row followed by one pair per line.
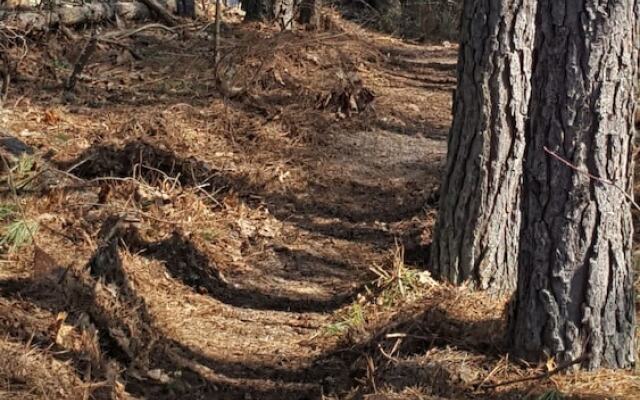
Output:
x,y
186,8
575,288
269,10
283,10
476,237
310,13
258,10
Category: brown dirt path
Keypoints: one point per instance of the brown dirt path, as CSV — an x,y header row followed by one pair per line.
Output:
x,y
228,294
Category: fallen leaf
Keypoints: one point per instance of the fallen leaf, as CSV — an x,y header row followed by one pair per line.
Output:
x,y
247,228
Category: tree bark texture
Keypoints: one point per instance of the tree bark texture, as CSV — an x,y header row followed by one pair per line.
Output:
x,y
310,13
186,8
575,289
269,10
258,10
283,10
476,237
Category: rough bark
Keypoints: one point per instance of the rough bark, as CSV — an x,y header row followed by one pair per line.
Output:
x,y
310,13
283,10
280,11
575,289
186,8
476,238
258,10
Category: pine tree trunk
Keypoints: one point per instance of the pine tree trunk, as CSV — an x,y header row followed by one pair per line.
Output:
x,y
186,8
476,237
258,10
283,10
575,288
310,13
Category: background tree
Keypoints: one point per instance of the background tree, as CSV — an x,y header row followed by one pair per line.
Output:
x,y
310,13
269,10
575,290
258,10
478,225
186,8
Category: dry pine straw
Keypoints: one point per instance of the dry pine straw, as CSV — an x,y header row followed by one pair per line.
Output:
x,y
260,142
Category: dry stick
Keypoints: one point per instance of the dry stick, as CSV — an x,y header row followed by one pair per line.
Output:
x,y
543,375
86,52
6,76
493,371
591,176
126,34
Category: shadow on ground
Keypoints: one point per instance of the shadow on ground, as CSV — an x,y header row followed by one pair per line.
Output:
x,y
102,292
349,210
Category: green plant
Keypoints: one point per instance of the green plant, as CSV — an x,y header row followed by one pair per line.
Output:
x,y
25,164
550,395
63,137
7,211
354,319
210,234
397,283
19,233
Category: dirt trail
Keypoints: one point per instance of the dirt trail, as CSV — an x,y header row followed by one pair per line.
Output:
x,y
231,299
364,190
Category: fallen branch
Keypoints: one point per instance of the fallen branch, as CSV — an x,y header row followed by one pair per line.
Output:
x,y
543,375
70,15
118,35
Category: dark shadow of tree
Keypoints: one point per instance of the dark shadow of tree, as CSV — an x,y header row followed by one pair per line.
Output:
x,y
128,337
351,218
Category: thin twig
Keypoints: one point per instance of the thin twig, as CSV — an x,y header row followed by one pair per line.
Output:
x,y
493,371
543,375
126,34
591,176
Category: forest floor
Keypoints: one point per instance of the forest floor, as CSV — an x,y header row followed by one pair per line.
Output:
x,y
260,238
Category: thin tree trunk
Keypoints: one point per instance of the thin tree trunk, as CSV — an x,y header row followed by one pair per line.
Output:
x,y
82,61
216,43
575,289
476,237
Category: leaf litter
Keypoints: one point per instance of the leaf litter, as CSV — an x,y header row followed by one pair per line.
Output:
x,y
260,235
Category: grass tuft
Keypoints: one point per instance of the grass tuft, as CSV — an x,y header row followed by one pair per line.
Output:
x,y
18,233
550,395
7,211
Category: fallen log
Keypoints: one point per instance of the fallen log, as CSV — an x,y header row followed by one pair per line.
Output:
x,y
70,15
